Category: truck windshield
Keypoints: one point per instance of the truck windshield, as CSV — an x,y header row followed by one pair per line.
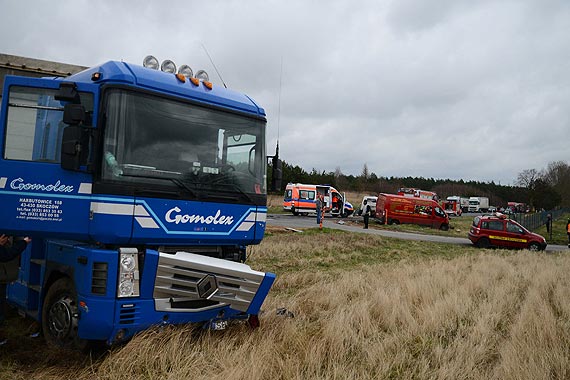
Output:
x,y
158,141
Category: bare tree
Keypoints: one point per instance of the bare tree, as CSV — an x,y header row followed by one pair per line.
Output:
x,y
557,175
337,172
527,178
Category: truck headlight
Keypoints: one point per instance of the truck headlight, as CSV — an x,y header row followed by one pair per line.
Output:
x,y
128,285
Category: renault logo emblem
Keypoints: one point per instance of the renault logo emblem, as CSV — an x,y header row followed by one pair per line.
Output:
x,y
207,286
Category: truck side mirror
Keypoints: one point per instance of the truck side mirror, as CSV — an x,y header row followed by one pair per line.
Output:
x,y
73,114
68,93
74,147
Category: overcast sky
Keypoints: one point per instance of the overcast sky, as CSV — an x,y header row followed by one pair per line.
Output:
x,y
460,89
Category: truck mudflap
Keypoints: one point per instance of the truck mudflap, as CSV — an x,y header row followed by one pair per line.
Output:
x,y
187,282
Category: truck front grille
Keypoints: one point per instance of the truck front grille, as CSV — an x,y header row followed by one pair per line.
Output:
x,y
129,314
99,278
178,276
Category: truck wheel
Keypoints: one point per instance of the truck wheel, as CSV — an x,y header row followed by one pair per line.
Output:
x,y
393,221
483,243
444,227
60,316
294,211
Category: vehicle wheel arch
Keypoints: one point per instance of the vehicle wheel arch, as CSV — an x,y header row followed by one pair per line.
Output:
x,y
61,299
52,275
484,242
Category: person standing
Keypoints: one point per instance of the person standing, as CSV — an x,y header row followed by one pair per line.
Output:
x,y
366,214
10,251
319,204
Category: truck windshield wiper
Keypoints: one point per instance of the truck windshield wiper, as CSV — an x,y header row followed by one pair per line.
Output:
x,y
238,189
183,185
147,172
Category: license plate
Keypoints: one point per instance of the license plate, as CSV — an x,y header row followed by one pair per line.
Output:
x,y
219,325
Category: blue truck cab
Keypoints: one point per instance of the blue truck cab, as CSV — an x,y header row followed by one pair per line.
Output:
x,y
141,190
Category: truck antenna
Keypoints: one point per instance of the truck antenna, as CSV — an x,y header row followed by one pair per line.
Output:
x,y
279,106
215,68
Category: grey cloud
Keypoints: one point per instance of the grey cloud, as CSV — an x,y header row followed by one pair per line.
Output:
x,y
408,87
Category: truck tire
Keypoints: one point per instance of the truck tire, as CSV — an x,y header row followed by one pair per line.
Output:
x,y
294,211
393,221
60,315
444,227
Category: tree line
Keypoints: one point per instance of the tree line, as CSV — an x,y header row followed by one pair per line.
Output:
x,y
547,188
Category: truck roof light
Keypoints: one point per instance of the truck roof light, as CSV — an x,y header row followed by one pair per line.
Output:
x,y
181,78
202,75
150,62
168,66
186,71
195,81
208,84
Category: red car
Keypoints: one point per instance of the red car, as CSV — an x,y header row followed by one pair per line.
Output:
x,y
498,231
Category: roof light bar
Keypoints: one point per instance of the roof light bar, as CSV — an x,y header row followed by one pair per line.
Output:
x,y
168,66
202,75
150,62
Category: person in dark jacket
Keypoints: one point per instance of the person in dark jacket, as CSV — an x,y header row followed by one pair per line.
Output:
x,y
10,251
366,214
11,248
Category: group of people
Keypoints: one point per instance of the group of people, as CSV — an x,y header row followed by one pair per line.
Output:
x,y
10,250
319,202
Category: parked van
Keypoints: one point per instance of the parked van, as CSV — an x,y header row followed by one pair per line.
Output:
x,y
300,199
399,209
370,201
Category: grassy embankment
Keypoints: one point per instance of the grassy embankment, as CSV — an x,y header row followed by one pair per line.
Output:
x,y
365,307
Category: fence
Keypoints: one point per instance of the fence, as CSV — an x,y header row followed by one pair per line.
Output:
x,y
537,219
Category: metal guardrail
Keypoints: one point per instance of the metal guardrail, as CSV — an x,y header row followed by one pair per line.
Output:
x,y
537,219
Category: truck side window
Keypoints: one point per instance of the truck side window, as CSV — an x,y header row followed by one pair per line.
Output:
x,y
34,126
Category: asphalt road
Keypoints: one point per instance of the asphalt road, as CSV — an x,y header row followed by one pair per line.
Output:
x,y
296,222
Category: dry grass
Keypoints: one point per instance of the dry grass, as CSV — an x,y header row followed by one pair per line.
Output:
x,y
372,308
